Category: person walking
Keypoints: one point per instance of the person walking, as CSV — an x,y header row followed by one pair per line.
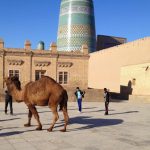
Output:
x,y
8,100
106,99
79,95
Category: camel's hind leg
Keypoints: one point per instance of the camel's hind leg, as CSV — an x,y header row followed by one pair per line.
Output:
x,y
29,119
66,118
55,117
35,113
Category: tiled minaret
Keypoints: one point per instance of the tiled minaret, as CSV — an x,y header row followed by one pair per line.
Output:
x,y
76,25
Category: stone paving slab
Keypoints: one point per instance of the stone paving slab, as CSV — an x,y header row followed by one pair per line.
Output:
x,y
126,127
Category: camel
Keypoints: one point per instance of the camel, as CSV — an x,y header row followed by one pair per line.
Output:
x,y
43,92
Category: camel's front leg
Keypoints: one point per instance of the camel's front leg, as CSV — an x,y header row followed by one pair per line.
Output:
x,y
35,113
29,119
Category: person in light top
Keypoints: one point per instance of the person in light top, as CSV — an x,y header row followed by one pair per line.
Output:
x,y
79,95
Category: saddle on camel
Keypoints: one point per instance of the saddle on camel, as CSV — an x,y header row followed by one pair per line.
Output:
x,y
43,92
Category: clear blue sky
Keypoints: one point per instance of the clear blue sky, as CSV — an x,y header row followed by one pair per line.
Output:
x,y
38,20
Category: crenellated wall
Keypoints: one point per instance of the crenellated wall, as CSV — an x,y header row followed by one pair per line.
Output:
x,y
27,61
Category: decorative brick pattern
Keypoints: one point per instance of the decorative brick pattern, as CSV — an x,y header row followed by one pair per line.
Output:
x,y
80,34
75,30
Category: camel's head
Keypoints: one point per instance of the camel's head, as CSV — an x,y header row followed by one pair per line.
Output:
x,y
12,84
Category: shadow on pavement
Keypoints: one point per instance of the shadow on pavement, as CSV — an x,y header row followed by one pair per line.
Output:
x,y
127,112
14,133
92,123
1,128
82,108
10,133
96,111
9,119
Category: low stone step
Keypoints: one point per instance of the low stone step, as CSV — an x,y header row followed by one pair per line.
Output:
x,y
144,98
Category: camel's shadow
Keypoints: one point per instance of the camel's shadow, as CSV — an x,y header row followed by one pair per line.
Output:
x,y
88,122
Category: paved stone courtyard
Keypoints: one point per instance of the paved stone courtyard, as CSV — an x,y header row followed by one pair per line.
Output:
x,y
126,128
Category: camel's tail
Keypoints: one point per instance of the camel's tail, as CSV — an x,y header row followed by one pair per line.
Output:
x,y
63,103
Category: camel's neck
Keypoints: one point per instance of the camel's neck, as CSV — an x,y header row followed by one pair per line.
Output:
x,y
18,95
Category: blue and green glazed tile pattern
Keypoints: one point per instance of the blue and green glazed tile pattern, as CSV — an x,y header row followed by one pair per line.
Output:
x,y
76,25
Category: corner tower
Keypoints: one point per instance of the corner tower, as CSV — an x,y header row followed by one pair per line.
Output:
x,y
76,25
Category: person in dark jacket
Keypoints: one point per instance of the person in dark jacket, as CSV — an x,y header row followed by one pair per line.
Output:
x,y
106,99
8,100
79,95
